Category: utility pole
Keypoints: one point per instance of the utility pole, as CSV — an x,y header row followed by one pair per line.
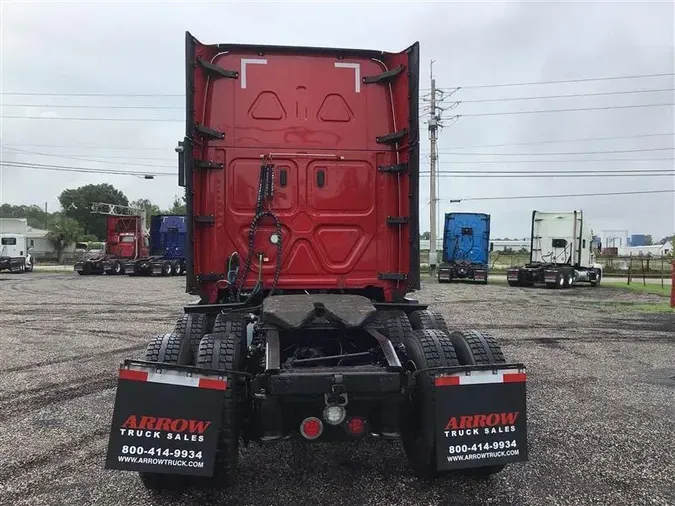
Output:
x,y
433,201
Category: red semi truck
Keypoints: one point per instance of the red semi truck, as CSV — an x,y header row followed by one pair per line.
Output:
x,y
125,240
301,168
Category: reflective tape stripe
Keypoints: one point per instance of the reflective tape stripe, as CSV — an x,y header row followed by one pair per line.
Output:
x,y
480,378
169,377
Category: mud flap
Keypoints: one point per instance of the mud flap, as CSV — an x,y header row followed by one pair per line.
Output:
x,y
166,420
480,416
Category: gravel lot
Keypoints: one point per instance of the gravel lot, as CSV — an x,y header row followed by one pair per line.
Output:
x,y
600,403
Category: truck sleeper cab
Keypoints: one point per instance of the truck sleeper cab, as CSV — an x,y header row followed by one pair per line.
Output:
x,y
561,253
466,248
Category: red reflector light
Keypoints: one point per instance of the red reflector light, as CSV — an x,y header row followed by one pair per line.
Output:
x,y
446,381
129,374
356,426
311,428
518,377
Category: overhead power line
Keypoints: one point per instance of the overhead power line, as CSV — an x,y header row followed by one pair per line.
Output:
x,y
154,120
585,160
575,195
563,141
547,176
49,94
561,153
563,81
79,146
555,171
578,109
575,95
97,159
67,168
91,106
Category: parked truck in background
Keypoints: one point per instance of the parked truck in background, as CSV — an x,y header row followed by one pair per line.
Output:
x,y
167,248
561,253
15,254
302,225
125,240
466,248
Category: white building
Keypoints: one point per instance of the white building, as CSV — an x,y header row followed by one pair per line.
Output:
x,y
36,238
655,250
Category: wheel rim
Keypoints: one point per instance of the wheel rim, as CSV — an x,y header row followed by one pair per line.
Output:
x,y
562,280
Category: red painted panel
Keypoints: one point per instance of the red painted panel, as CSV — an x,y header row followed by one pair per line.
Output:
x,y
313,114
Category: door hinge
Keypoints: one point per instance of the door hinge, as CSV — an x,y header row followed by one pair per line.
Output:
x,y
397,220
209,132
216,71
392,276
205,220
384,76
392,137
397,168
205,164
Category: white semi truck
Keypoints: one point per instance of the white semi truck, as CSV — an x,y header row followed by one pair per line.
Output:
x,y
561,253
14,253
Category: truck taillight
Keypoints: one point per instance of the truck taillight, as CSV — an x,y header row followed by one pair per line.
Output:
x,y
356,426
311,428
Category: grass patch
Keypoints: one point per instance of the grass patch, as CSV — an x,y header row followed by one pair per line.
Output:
x,y
636,286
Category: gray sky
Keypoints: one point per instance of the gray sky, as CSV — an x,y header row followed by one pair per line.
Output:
x,y
127,48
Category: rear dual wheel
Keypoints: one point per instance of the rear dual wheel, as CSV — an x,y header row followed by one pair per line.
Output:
x,y
429,349
223,349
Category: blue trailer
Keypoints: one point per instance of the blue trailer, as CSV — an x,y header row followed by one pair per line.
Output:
x,y
167,248
466,248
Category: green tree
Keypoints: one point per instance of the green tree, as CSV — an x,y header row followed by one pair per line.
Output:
x,y
178,206
64,232
34,214
76,203
425,236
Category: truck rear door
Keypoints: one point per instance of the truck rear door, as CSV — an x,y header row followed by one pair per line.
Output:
x,y
340,128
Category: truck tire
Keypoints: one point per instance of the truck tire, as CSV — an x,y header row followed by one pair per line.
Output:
x,y
559,281
166,269
117,268
225,351
167,349
475,347
395,325
568,278
192,326
597,279
175,268
425,349
428,319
